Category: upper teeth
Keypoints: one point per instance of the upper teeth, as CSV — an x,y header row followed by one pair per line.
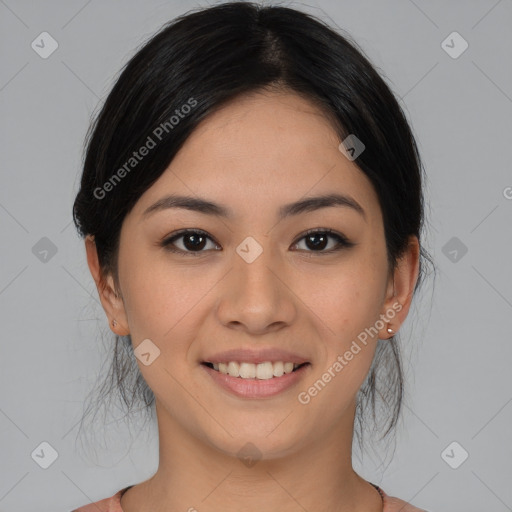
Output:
x,y
265,370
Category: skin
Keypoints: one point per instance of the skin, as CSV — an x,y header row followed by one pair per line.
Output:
x,y
254,155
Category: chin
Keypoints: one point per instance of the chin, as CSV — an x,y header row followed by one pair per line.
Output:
x,y
251,445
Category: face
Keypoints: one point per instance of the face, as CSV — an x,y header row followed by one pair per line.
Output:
x,y
197,283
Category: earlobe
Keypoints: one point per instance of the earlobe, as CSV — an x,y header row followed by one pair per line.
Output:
x,y
401,287
110,300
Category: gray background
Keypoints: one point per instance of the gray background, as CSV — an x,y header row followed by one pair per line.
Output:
x,y
459,353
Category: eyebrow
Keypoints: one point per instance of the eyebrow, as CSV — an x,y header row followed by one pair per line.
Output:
x,y
201,205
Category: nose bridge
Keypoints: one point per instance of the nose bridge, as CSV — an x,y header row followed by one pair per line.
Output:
x,y
255,296
256,276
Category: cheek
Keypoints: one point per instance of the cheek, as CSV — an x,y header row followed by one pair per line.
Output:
x,y
162,302
152,298
349,304
350,310
145,302
160,306
349,299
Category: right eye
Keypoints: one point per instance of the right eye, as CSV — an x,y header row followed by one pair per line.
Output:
x,y
193,242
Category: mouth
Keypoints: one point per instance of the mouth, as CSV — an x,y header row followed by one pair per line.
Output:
x,y
255,371
259,380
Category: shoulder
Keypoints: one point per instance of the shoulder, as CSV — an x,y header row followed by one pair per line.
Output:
x,y
112,504
392,504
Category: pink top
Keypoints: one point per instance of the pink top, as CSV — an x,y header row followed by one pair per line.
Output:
x,y
113,504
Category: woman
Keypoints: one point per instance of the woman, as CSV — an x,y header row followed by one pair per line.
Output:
x,y
252,203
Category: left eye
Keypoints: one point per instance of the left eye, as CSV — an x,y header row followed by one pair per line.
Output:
x,y
194,242
318,239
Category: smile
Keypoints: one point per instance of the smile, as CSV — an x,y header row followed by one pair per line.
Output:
x,y
255,380
262,371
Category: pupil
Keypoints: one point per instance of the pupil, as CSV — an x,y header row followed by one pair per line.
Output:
x,y
194,245
317,245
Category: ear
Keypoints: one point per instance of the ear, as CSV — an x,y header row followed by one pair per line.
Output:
x,y
400,289
111,301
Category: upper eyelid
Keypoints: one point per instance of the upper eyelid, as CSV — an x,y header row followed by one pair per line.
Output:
x,y
183,232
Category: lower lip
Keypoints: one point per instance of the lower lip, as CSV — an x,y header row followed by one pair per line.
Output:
x,y
256,388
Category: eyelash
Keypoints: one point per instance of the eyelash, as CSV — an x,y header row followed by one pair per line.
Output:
x,y
343,242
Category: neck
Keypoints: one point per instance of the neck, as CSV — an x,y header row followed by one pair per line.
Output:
x,y
194,475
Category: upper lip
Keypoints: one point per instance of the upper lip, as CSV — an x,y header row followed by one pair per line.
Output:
x,y
249,355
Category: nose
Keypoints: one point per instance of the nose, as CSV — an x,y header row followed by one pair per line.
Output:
x,y
255,297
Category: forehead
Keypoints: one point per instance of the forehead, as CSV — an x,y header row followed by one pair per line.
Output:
x,y
258,123
259,149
